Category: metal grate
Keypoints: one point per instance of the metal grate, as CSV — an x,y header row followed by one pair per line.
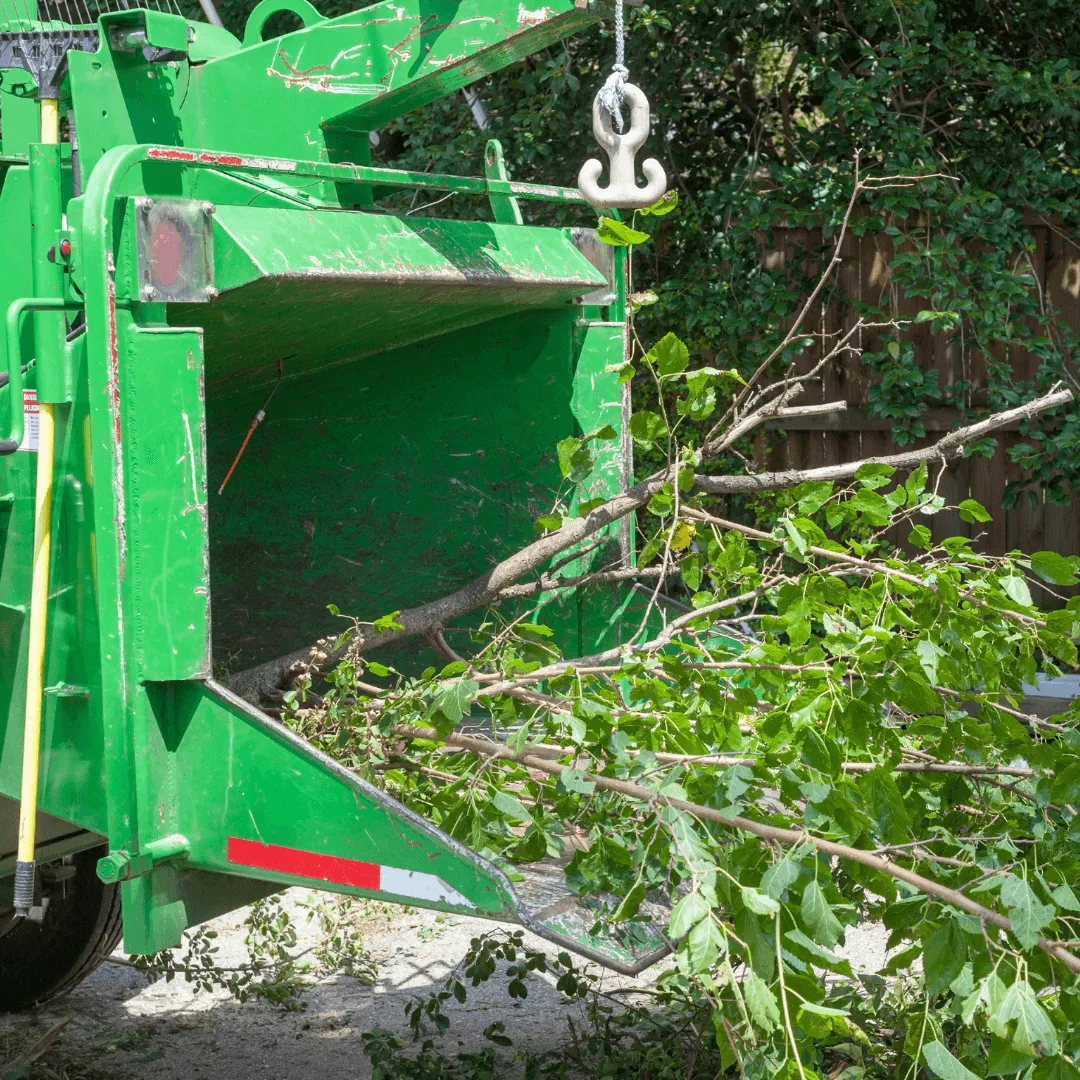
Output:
x,y
37,37
37,17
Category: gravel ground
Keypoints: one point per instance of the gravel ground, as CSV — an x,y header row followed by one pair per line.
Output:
x,y
121,1026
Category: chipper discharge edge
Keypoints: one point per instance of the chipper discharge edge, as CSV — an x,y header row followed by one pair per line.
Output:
x,y
191,221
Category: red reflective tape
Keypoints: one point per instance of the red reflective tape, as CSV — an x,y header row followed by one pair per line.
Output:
x,y
308,864
171,155
221,159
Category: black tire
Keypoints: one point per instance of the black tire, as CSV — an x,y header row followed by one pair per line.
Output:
x,y
41,961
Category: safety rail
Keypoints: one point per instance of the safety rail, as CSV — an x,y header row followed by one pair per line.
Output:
x,y
16,310
344,172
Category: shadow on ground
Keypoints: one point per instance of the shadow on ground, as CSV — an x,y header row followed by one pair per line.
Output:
x,y
121,1026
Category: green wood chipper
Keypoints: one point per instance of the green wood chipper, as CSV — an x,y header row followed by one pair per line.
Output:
x,y
191,226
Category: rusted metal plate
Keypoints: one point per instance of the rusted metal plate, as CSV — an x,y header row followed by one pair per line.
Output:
x,y
601,256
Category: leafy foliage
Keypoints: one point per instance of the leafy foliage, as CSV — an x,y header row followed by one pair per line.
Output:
x,y
276,969
852,704
830,733
760,111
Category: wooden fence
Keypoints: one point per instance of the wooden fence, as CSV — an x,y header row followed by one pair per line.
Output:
x,y
821,440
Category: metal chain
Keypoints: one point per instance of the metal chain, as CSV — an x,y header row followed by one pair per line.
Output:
x,y
611,93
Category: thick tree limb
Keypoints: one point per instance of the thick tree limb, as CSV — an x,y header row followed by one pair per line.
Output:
x,y
949,446
942,893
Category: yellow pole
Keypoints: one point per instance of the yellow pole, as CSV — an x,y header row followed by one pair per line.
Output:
x,y
39,598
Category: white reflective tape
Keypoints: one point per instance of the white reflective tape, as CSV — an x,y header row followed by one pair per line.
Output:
x,y
392,879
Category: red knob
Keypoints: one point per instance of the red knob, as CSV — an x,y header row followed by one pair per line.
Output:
x,y
65,248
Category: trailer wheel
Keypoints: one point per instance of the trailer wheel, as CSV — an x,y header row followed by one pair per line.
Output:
x,y
80,928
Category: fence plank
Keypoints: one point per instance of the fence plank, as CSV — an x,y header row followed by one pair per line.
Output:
x,y
864,278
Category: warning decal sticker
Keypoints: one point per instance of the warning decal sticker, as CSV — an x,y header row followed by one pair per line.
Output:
x,y
30,420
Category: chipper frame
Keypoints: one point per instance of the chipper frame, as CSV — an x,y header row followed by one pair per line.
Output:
x,y
206,227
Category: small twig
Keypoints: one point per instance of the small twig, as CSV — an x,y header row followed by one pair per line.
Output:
x,y
36,1049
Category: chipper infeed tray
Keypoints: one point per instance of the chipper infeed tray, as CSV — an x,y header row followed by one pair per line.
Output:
x,y
200,227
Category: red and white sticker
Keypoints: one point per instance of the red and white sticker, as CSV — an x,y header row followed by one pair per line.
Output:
x,y
360,875
30,420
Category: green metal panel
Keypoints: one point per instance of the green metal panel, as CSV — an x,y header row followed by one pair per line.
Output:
x,y
384,482
429,368
325,87
225,767
167,501
323,288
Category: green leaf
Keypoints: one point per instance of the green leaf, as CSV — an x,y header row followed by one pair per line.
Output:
x,y
1033,1026
1065,898
619,234
1056,1068
504,802
761,1002
703,945
574,780
670,356
638,300
692,568
1066,785
568,450
664,205
822,1010
871,505
874,474
758,902
947,318
813,495
1004,1059
548,523
1055,568
378,669
818,916
1016,588
921,537
970,511
1027,915
454,699
886,805
646,427
915,484
385,623
944,955
823,956
689,911
588,507
630,903
942,1064
776,880
929,654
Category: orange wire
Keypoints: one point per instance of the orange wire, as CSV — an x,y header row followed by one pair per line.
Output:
x,y
256,420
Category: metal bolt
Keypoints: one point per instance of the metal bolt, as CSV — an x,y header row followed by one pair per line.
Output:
x,y
144,204
116,866
211,292
208,208
149,292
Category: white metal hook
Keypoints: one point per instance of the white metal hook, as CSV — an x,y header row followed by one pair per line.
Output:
x,y
622,191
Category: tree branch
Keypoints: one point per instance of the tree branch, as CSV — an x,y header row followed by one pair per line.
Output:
x,y
949,446
942,893
490,587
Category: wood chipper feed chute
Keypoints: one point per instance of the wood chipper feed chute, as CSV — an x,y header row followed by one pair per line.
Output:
x,y
324,287
409,377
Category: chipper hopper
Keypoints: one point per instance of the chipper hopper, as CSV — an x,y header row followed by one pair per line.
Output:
x,y
192,226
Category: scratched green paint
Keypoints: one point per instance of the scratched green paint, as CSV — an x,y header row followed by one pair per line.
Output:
x,y
430,368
